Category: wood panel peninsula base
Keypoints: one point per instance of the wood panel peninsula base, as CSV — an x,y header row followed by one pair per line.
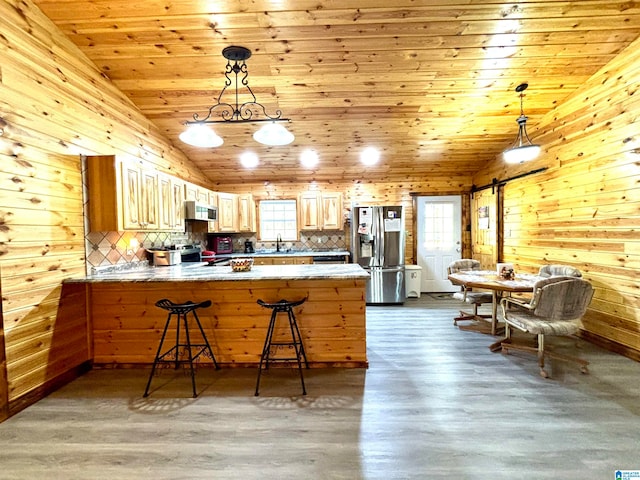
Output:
x,y
126,325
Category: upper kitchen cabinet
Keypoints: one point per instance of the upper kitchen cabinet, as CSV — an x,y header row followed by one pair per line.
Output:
x,y
227,212
320,211
309,211
246,213
196,193
171,195
149,200
129,191
213,201
332,218
123,195
126,195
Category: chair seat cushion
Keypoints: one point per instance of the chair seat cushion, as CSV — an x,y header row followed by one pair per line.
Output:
x,y
532,324
479,297
474,297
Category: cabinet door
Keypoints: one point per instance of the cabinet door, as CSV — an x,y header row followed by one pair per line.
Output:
x,y
227,212
262,261
332,211
202,196
309,211
131,197
149,210
212,227
196,193
283,261
303,260
246,213
177,203
165,202
191,191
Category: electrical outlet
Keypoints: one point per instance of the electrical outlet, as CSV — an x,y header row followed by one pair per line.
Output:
x,y
130,252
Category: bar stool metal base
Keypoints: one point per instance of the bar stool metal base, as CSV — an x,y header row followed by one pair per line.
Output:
x,y
299,355
173,354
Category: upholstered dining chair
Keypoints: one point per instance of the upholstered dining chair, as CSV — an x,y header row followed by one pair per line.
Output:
x,y
466,294
559,271
556,308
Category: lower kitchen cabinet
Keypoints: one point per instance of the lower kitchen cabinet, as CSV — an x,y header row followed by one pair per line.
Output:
x,y
282,260
262,261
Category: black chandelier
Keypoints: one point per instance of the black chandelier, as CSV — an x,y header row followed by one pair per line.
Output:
x,y
273,133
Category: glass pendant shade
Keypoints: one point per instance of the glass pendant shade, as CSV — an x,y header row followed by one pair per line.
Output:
x,y
199,135
521,154
273,134
522,150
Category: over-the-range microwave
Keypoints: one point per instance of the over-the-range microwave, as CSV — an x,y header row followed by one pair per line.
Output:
x,y
200,211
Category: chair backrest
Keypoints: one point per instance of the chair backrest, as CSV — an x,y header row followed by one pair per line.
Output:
x,y
558,271
561,298
463,264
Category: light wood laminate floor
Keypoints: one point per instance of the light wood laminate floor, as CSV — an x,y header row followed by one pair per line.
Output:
x,y
435,403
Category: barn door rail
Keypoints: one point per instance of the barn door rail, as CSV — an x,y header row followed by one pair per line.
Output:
x,y
495,182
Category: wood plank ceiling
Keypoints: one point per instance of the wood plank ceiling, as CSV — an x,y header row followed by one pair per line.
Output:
x,y
429,83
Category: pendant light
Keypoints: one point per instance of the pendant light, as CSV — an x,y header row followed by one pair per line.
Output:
x,y
199,133
522,149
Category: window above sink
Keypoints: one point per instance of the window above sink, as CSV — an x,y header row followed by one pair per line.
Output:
x,y
278,220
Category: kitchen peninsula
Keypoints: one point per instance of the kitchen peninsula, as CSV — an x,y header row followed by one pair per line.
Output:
x,y
125,325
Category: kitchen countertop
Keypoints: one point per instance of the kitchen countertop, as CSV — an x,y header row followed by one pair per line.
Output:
x,y
187,272
283,253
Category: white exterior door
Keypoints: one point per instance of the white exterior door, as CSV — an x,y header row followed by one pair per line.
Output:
x,y
439,240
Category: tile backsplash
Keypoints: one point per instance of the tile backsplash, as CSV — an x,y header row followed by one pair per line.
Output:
x,y
324,240
106,249
118,248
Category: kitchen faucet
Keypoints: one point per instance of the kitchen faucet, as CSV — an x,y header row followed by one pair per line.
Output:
x,y
278,242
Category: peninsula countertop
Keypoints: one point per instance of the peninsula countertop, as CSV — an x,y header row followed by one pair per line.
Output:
x,y
197,272
286,253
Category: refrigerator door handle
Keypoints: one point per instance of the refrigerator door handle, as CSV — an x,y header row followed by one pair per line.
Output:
x,y
375,254
380,221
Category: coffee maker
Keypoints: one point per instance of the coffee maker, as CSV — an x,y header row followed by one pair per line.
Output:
x,y
248,246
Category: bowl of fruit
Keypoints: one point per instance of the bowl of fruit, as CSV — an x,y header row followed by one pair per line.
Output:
x,y
241,264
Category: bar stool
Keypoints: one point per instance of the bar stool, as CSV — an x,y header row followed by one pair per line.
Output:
x,y
282,306
172,355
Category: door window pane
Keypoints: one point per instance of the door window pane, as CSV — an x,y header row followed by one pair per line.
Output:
x,y
438,230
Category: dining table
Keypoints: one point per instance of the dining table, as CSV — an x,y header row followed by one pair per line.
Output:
x,y
490,280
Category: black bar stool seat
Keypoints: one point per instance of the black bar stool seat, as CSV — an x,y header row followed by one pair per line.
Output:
x,y
294,345
176,354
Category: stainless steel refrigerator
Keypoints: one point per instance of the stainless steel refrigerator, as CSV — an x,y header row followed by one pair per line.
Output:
x,y
377,244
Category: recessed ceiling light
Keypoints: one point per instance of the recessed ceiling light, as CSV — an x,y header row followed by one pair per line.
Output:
x,y
249,160
309,158
370,156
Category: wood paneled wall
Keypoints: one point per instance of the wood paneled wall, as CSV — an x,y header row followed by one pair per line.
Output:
x,y
54,105
584,210
381,193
